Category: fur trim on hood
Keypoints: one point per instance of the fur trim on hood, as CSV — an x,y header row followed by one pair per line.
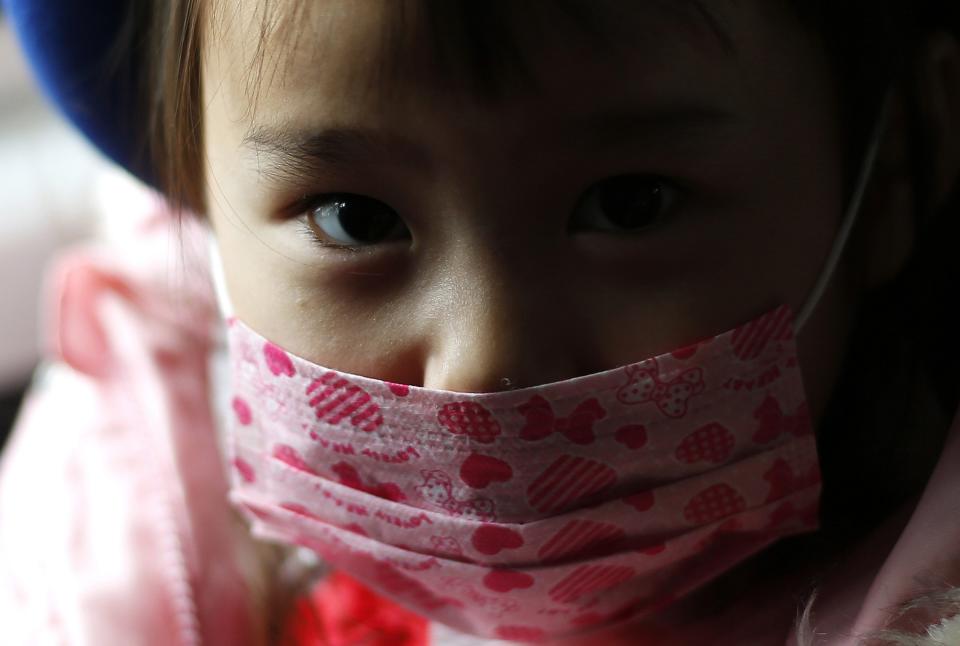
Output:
x,y
912,598
932,619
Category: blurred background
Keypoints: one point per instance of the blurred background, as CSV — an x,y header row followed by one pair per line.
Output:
x,y
49,179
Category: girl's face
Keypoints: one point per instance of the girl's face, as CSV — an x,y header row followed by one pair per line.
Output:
x,y
493,237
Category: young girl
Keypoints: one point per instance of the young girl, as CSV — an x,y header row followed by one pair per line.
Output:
x,y
558,322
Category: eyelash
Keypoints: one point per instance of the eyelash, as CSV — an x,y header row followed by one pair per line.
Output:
x,y
308,232
305,206
301,209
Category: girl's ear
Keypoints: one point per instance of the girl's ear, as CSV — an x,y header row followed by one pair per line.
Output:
x,y
889,221
885,233
938,92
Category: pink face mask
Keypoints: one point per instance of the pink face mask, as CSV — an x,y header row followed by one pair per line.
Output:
x,y
546,511
538,512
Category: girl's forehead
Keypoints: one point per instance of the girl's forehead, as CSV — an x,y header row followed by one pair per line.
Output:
x,y
302,61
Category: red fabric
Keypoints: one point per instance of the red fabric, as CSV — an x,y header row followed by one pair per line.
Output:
x,y
342,612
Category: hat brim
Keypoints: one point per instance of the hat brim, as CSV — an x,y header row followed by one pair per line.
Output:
x,y
85,68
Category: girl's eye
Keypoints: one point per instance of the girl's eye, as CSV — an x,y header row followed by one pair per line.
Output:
x,y
348,220
625,204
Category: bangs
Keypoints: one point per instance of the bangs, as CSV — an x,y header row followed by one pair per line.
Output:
x,y
482,50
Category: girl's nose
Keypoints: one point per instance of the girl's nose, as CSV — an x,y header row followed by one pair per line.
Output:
x,y
495,332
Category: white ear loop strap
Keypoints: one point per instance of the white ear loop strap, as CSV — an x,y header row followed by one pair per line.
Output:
x,y
219,280
850,218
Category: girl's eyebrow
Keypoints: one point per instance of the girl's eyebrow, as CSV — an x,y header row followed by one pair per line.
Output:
x,y
282,151
288,154
606,128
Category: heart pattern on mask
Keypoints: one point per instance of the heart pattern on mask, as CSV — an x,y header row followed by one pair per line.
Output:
x,y
507,580
289,455
783,480
518,514
335,399
772,423
713,503
491,539
244,469
589,579
479,471
581,537
749,341
278,361
242,410
641,501
568,480
400,390
470,419
632,436
712,443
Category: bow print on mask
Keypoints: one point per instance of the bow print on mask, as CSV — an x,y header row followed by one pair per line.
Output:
x,y
671,397
576,427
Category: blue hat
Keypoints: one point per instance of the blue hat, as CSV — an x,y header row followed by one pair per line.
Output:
x,y
76,56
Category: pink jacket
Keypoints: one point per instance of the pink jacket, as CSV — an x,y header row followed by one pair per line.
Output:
x,y
114,525
114,528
